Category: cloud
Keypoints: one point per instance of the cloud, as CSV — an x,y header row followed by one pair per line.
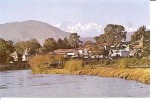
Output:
x,y
84,30
130,29
87,29
133,29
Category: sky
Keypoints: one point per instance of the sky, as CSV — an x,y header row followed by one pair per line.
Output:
x,y
86,17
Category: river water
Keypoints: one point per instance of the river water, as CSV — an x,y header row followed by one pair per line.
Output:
x,y
22,83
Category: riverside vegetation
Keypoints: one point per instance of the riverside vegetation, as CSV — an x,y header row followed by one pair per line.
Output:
x,y
127,68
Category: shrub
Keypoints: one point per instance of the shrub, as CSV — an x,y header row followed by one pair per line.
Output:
x,y
107,62
59,57
136,61
74,65
145,60
41,61
122,63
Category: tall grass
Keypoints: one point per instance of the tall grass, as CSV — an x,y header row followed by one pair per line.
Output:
x,y
143,60
74,65
128,62
59,57
41,62
122,63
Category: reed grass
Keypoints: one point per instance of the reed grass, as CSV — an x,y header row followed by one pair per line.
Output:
x,y
74,65
139,74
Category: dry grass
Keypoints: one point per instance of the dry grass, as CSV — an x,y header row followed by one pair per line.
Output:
x,y
41,61
74,65
122,63
139,74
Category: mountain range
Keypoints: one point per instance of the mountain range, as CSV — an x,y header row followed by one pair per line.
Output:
x,y
21,31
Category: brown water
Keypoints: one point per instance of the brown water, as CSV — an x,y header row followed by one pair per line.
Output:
x,y
22,83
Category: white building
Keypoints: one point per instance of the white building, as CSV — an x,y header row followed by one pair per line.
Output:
x,y
25,55
20,57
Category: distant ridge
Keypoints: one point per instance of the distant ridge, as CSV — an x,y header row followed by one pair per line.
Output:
x,y
25,30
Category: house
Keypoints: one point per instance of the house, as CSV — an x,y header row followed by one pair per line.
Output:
x,y
60,52
66,52
120,53
84,51
18,57
73,53
25,55
121,50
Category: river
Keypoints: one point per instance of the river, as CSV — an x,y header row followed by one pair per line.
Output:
x,y
22,83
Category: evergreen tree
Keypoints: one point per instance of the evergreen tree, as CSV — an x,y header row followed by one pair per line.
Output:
x,y
49,45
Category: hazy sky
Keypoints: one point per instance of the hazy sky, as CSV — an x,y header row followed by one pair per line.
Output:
x,y
130,13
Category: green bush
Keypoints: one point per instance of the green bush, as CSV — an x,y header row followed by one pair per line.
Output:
x,y
122,63
74,65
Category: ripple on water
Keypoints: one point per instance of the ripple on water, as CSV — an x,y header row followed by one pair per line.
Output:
x,y
3,86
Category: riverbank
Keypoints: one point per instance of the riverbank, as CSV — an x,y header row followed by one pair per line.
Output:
x,y
14,66
31,85
139,74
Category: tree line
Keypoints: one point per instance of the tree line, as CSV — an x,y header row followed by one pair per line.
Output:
x,y
115,34
34,47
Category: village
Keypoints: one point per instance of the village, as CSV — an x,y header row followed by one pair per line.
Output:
x,y
110,52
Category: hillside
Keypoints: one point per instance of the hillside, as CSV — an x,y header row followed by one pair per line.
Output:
x,y
19,31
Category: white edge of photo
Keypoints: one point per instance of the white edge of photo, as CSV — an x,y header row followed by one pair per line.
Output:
x,y
152,63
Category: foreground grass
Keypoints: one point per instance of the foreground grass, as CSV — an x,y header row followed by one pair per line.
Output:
x,y
139,74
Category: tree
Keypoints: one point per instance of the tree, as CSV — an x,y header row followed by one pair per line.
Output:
x,y
144,34
97,50
138,34
146,44
49,45
32,45
113,34
66,44
59,43
20,47
89,42
6,48
74,40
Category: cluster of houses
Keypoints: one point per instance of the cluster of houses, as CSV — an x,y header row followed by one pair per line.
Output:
x,y
121,50
83,52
